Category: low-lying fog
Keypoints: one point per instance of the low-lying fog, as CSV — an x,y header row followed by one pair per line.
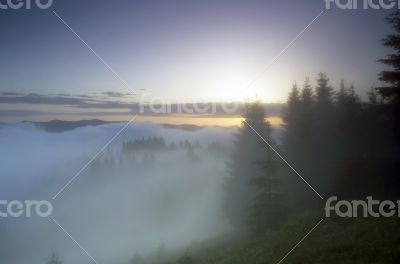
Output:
x,y
132,198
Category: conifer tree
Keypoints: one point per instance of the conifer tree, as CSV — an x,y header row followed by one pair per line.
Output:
x,y
306,118
391,92
292,118
349,123
323,92
306,97
243,169
54,260
268,209
298,137
392,77
323,147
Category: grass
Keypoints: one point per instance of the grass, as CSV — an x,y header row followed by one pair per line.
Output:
x,y
335,240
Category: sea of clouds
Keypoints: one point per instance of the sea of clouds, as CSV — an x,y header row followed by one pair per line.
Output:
x,y
113,214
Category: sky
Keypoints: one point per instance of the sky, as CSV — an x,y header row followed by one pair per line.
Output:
x,y
183,50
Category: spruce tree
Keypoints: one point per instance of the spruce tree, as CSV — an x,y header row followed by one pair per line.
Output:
x,y
292,119
298,138
392,77
54,260
268,209
349,123
306,96
307,103
323,92
323,147
391,92
242,167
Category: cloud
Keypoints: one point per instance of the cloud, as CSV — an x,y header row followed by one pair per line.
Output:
x,y
99,105
117,94
79,101
42,99
10,93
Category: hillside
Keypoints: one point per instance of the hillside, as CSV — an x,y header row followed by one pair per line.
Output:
x,y
333,241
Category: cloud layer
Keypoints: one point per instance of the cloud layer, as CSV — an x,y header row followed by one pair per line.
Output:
x,y
114,213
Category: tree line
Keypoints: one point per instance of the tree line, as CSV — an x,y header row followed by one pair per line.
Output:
x,y
339,143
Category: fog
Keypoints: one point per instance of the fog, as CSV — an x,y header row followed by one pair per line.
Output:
x,y
125,202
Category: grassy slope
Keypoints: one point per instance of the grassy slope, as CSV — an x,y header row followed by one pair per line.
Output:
x,y
333,241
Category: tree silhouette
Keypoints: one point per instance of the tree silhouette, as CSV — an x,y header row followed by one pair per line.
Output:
x,y
298,137
392,77
292,117
391,92
53,260
243,169
349,122
268,207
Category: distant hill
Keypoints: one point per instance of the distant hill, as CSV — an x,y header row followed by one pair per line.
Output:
x,y
61,126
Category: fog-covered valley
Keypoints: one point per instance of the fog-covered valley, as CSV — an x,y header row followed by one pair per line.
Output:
x,y
153,186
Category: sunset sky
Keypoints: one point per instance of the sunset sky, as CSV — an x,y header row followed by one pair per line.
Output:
x,y
184,50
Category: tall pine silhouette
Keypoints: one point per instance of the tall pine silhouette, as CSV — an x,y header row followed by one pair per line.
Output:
x,y
391,92
243,167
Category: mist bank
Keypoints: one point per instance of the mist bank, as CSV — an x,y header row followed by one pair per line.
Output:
x,y
128,200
